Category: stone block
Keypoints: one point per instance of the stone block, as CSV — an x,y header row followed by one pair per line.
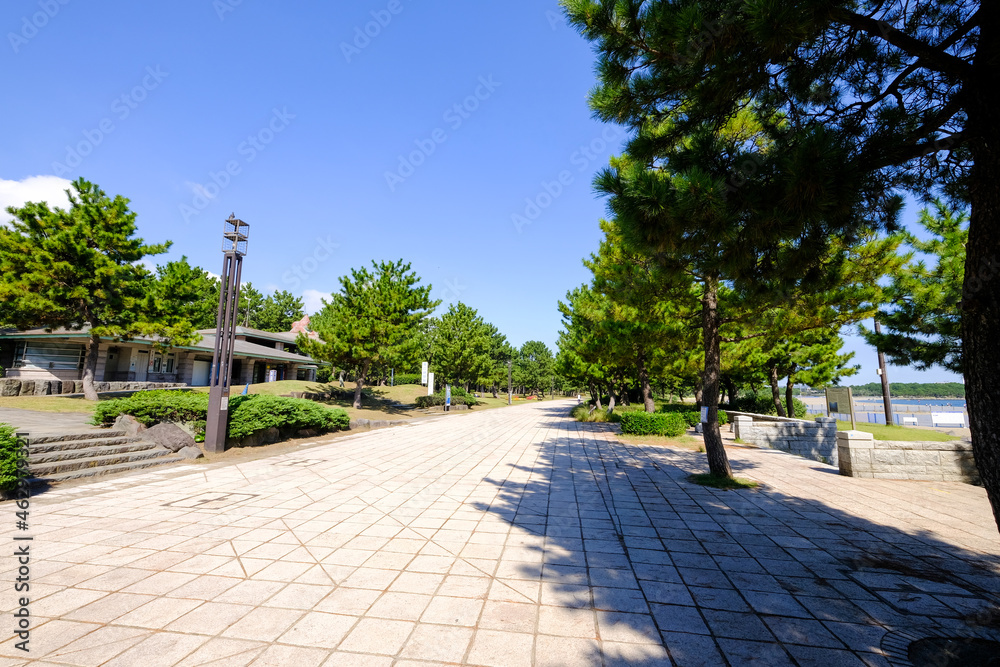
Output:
x,y
10,387
78,386
42,388
27,388
67,387
922,457
888,457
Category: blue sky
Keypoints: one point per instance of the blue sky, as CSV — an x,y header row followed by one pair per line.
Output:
x,y
455,136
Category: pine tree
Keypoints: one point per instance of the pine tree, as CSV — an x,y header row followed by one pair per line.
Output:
x,y
923,321
372,321
80,267
864,98
279,311
462,343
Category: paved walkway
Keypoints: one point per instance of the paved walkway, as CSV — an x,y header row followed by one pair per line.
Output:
x,y
508,537
46,423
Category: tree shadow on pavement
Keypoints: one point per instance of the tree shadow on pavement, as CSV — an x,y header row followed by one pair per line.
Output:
x,y
636,565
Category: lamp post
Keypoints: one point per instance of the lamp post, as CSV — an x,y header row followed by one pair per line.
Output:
x,y
234,246
886,398
510,387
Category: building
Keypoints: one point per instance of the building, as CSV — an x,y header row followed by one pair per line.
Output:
x,y
258,356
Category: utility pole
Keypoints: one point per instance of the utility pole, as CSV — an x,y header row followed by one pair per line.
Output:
x,y
510,387
886,399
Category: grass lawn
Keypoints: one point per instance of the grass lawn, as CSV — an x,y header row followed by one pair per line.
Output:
x,y
883,432
48,404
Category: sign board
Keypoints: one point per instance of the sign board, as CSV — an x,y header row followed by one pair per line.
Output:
x,y
447,395
840,400
225,403
430,383
272,375
704,415
423,373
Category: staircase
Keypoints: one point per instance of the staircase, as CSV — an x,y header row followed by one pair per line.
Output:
x,y
57,458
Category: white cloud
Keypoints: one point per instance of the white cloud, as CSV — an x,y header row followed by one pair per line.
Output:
x,y
50,189
313,300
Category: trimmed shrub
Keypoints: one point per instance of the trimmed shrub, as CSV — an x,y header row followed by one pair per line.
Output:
x,y
247,414
656,423
323,374
11,459
407,378
250,414
154,407
438,399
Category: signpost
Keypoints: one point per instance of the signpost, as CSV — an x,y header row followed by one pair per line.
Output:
x,y
423,373
234,247
430,383
838,398
510,387
447,397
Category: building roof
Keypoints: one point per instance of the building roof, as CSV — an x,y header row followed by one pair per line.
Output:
x,y
284,337
206,344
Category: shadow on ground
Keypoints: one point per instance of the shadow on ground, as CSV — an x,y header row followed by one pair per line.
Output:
x,y
725,577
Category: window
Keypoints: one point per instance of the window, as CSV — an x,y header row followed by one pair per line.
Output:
x,y
157,363
48,356
170,364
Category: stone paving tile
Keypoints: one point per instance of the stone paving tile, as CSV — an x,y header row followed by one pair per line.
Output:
x,y
504,537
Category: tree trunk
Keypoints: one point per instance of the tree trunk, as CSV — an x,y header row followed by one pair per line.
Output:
x,y
611,395
698,393
731,391
595,395
789,392
981,291
647,390
772,378
718,462
90,368
359,385
341,378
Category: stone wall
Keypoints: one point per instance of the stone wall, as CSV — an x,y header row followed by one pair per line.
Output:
x,y
860,455
18,387
814,440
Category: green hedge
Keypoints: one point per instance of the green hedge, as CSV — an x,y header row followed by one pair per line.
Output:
x,y
153,407
11,459
407,378
247,414
250,414
655,423
438,399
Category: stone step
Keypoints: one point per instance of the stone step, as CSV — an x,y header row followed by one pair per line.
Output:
x,y
100,471
83,452
70,445
67,437
99,461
